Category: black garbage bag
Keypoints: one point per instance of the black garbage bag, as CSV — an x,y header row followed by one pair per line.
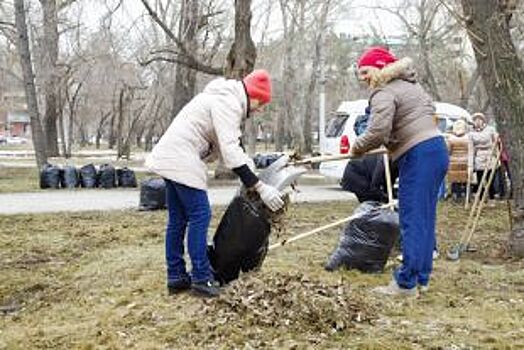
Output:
x,y
88,177
366,242
241,240
125,177
107,176
50,176
69,177
264,160
152,194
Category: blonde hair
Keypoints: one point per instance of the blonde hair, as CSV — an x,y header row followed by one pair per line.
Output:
x,y
459,127
372,74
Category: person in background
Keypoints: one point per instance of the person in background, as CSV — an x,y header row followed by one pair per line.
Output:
x,y
483,137
403,122
460,159
208,127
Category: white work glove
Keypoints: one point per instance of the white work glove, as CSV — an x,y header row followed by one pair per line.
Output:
x,y
270,196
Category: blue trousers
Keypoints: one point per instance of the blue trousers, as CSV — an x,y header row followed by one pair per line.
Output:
x,y
188,209
421,172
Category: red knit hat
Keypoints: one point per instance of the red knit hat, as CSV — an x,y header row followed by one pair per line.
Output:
x,y
377,56
258,85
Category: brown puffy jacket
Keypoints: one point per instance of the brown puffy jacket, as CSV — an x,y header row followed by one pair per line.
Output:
x,y
402,112
460,158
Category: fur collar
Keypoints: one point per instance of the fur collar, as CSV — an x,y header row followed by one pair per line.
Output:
x,y
401,69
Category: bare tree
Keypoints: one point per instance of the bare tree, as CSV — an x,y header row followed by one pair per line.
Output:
x,y
318,44
49,73
503,74
185,77
29,83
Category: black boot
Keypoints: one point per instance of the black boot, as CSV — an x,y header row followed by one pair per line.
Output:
x,y
206,288
179,285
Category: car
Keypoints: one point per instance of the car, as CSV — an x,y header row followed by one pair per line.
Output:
x,y
342,128
16,140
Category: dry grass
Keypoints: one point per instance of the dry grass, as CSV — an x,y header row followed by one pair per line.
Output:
x,y
96,281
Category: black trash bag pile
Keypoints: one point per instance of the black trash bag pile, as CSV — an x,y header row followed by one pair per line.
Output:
x,y
50,176
88,176
106,176
125,177
69,177
241,240
366,242
53,176
152,194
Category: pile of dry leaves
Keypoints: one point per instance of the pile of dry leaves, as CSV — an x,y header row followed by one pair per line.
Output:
x,y
290,301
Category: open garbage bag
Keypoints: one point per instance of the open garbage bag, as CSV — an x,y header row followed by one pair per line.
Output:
x,y
241,240
366,241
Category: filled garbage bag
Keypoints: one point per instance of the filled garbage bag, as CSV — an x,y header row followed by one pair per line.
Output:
x,y
125,177
88,176
50,176
262,161
152,194
69,177
241,240
107,176
366,241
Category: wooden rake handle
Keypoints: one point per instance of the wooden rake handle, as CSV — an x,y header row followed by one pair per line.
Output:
x,y
331,158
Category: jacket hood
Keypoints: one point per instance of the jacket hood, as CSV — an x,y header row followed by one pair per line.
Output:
x,y
227,87
401,69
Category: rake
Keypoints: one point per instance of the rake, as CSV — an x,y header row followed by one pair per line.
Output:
x,y
478,204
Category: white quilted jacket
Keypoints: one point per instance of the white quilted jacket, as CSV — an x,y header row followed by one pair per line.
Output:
x,y
207,127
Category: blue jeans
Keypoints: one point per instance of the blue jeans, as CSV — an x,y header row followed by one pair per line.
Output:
x,y
421,172
188,208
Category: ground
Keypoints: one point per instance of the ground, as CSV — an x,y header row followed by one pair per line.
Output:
x,y
96,281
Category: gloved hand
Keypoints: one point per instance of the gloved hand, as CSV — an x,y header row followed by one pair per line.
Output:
x,y
270,196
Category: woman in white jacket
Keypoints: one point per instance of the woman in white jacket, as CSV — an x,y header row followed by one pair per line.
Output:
x,y
206,128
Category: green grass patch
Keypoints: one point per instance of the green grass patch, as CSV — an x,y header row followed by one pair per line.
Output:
x,y
97,280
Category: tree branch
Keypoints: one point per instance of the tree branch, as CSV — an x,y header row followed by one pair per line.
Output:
x,y
187,58
190,64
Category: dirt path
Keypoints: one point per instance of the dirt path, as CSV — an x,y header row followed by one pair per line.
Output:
x,y
117,199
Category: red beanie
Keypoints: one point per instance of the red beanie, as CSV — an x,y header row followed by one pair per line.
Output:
x,y
258,85
377,56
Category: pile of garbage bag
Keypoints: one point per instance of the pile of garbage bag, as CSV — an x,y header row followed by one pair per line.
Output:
x,y
53,176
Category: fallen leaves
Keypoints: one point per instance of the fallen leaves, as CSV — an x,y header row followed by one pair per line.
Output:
x,y
289,301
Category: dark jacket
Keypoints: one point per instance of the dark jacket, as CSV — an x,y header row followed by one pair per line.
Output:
x,y
365,177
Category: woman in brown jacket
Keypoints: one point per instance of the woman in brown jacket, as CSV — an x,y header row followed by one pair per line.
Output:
x,y
460,159
403,121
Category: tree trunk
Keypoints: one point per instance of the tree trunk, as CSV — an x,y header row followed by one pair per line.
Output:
x,y
50,58
29,84
502,72
100,128
308,113
61,127
240,59
185,77
120,123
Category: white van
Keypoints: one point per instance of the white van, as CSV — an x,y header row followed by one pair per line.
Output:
x,y
340,131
